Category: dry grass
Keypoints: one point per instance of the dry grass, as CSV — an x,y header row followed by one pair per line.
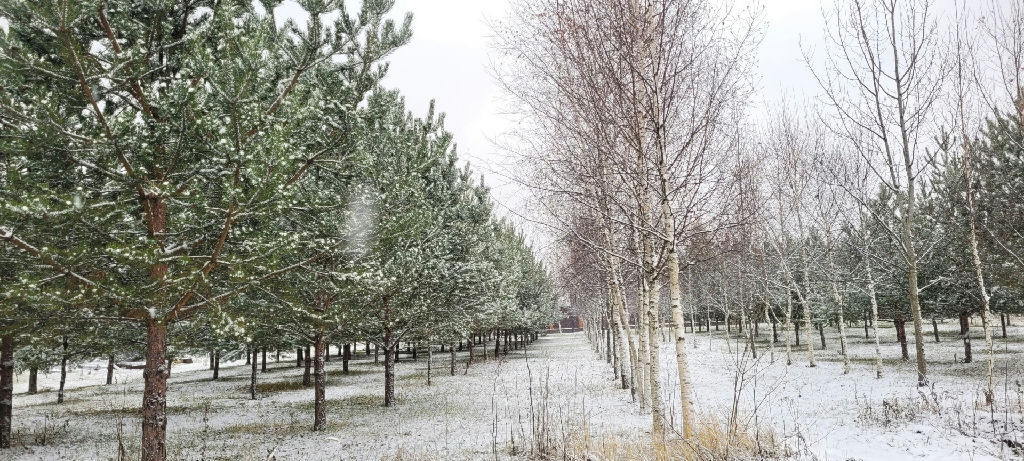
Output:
x,y
710,441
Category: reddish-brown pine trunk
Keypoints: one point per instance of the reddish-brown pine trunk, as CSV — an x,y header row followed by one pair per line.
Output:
x,y
901,335
965,333
33,380
346,355
451,361
154,396
305,375
389,349
319,391
252,373
63,369
6,389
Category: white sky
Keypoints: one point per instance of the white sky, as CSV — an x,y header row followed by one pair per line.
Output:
x,y
447,60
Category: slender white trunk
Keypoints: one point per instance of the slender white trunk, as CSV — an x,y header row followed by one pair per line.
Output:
x,y
657,407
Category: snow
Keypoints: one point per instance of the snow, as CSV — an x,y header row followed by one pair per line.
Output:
x,y
816,412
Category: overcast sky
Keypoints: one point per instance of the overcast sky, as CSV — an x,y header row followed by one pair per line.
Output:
x,y
448,60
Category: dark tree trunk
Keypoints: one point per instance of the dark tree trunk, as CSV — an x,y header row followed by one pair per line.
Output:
x,y
821,333
865,324
305,375
346,355
965,333
497,344
389,348
901,335
367,348
414,352
298,358
248,355
775,332
33,380
320,390
252,375
451,361
277,355
110,369
469,344
327,352
796,329
376,354
216,365
154,395
63,369
211,359
935,329
6,389
1002,320
263,364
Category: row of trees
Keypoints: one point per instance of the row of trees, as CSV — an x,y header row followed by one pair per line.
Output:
x,y
892,198
226,179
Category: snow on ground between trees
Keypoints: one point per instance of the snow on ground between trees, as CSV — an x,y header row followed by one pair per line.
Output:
x,y
814,411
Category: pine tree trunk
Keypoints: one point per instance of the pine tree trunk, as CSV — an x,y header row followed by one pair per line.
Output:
x,y
320,389
965,333
308,363
821,333
451,360
210,361
346,355
63,369
796,329
6,388
110,369
33,380
298,357
469,345
430,361
252,373
1002,320
263,358
935,329
216,364
154,396
389,365
901,334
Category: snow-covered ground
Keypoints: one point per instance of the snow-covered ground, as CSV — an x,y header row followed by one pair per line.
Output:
x,y
494,410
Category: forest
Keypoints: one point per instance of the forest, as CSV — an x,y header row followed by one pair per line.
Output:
x,y
223,235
